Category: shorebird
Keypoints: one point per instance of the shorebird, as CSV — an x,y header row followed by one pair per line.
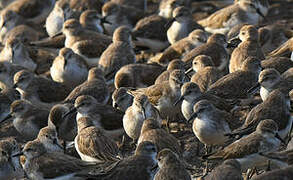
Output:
x,y
88,44
269,80
134,116
7,96
41,164
242,11
60,13
228,170
34,11
141,4
121,99
166,7
7,71
93,144
281,64
246,150
182,24
17,53
95,86
276,107
285,50
249,47
104,116
119,53
191,94
164,95
137,75
27,118
38,89
117,15
182,47
48,137
170,166
215,48
235,85
156,37
151,131
10,167
142,165
205,72
173,65
91,20
69,68
210,124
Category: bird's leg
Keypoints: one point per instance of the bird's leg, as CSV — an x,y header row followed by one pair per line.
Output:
x,y
207,148
269,166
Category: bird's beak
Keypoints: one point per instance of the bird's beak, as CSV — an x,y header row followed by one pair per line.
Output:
x,y
7,117
104,20
169,23
179,100
55,141
254,89
193,116
278,137
73,110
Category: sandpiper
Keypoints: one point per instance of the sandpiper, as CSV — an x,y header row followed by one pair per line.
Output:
x,y
181,24
242,11
41,164
164,95
9,165
205,72
281,64
88,44
69,68
183,46
285,50
249,47
48,137
142,165
135,115
236,84
151,131
209,125
17,53
156,37
215,48
7,96
104,116
191,94
245,150
137,75
38,89
141,4
93,144
121,99
167,6
173,65
119,53
60,13
95,86
27,118
269,80
170,166
276,107
228,170
7,71
91,20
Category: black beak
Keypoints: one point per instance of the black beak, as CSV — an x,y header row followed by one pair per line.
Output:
x,y
18,154
104,20
73,110
254,89
260,13
14,86
169,23
179,100
278,137
55,141
234,42
193,116
6,118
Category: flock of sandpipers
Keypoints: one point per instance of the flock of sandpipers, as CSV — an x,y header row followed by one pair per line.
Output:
x,y
146,89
